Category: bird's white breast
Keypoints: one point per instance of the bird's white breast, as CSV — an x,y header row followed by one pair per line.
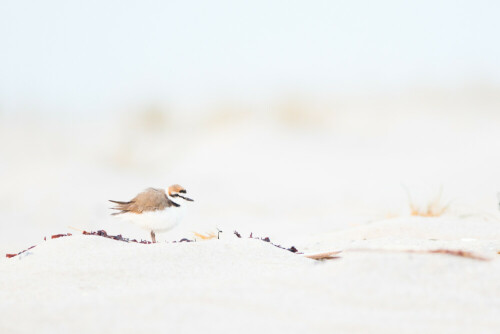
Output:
x,y
157,221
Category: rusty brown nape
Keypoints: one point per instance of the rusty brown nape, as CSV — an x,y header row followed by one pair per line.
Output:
x,y
175,188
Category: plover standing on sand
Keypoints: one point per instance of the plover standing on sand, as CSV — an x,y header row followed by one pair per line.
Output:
x,y
153,209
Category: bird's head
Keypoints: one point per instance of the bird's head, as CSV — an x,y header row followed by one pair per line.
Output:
x,y
177,191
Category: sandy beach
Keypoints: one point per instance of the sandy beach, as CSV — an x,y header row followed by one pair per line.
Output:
x,y
324,191
83,284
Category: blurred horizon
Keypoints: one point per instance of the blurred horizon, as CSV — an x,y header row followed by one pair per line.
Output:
x,y
103,56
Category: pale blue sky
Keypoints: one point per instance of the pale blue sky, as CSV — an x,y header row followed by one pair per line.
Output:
x,y
90,56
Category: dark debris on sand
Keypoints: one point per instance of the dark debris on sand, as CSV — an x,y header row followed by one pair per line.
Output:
x,y
119,237
55,236
321,256
100,233
12,255
266,239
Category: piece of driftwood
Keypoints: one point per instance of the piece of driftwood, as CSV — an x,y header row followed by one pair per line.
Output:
x,y
323,256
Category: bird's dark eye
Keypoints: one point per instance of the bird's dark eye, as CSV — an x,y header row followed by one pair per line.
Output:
x,y
182,191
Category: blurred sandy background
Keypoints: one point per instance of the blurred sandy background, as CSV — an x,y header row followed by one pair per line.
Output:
x,y
283,118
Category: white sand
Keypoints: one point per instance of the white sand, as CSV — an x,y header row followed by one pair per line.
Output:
x,y
84,284
324,180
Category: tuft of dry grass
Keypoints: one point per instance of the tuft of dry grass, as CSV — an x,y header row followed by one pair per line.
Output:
x,y
434,208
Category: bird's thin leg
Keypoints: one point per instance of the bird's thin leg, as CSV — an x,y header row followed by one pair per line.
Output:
x,y
153,237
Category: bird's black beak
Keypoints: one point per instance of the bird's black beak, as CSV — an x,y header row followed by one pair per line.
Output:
x,y
187,199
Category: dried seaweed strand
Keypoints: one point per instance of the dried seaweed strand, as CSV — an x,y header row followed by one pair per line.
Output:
x,y
316,256
100,233
459,253
119,237
55,236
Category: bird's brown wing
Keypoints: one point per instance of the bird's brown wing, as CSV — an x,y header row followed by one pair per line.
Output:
x,y
151,199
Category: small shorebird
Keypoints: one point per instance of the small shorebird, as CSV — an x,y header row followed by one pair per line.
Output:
x,y
153,209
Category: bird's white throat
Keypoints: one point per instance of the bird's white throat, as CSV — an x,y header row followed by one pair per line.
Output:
x,y
178,200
